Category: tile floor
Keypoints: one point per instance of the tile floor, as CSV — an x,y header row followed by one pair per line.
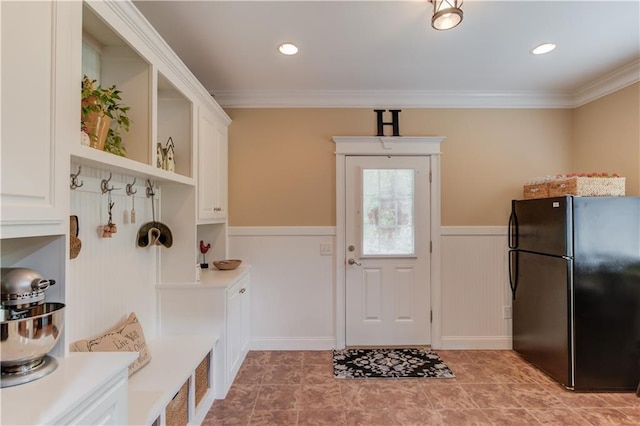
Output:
x,y
490,388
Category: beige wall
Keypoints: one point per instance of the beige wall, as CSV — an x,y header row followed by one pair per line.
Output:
x,y
282,162
607,136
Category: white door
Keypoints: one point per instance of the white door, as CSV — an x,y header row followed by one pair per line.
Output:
x,y
387,264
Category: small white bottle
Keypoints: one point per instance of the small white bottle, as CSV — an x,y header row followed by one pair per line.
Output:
x,y
198,272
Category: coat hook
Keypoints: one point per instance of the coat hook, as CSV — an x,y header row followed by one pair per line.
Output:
x,y
129,189
150,192
74,179
104,185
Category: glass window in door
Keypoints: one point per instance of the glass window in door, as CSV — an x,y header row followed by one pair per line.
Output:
x,y
388,227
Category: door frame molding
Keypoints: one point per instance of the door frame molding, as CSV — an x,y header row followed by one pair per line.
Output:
x,y
383,146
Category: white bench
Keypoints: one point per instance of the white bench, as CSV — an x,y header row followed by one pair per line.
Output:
x,y
173,363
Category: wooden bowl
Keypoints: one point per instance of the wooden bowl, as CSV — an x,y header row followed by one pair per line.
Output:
x,y
227,265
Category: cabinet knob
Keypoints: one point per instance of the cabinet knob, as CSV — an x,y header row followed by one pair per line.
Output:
x,y
242,290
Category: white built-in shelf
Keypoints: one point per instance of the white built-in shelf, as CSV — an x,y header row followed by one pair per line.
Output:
x,y
92,157
212,277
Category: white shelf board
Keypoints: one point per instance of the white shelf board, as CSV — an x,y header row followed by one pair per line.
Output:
x,y
92,157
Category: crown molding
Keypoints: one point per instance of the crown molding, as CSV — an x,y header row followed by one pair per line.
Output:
x,y
138,24
609,83
389,99
616,80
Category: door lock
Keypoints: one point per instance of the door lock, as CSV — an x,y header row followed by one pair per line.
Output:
x,y
351,248
353,262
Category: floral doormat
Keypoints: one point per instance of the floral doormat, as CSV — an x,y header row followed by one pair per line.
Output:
x,y
388,363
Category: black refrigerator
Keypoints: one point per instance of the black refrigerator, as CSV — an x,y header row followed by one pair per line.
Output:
x,y
574,271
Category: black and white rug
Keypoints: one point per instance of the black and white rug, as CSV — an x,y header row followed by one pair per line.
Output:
x,y
388,363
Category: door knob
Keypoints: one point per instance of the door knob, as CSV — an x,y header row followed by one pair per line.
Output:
x,y
353,262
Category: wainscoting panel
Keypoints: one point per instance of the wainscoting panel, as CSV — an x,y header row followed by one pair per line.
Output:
x,y
111,277
475,288
292,285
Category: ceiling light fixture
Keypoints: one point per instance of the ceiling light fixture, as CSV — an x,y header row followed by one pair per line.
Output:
x,y
288,49
447,14
543,48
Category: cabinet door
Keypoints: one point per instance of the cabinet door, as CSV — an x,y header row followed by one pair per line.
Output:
x,y
245,328
233,331
212,168
220,211
106,406
37,111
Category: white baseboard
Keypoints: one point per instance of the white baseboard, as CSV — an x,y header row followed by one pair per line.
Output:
x,y
476,342
293,344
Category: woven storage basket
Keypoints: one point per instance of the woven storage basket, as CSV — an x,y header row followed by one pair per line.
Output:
x,y
177,411
202,379
538,190
588,187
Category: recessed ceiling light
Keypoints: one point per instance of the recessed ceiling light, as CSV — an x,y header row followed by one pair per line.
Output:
x,y
543,48
288,49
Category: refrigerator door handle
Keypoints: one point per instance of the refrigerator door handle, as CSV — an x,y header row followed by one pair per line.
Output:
x,y
512,228
513,272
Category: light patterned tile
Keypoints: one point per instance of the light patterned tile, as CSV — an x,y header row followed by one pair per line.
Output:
x,y
454,356
416,417
492,396
239,397
491,387
621,399
317,358
510,416
321,397
249,374
273,418
466,417
406,393
370,417
360,394
558,417
222,417
632,413
507,373
317,374
468,373
605,417
578,399
448,396
535,396
282,374
331,417
492,356
286,357
278,397
257,358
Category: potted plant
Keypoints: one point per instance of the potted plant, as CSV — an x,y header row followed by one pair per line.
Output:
x,y
104,117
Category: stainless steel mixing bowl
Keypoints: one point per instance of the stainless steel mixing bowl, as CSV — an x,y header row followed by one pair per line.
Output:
x,y
28,335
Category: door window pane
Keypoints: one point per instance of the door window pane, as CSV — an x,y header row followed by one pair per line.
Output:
x,y
387,206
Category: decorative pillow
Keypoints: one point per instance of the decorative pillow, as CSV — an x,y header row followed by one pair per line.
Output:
x,y
127,337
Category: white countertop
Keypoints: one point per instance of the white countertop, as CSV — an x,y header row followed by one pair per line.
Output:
x,y
212,277
77,376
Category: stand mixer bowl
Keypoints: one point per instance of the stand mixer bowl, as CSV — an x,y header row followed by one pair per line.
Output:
x,y
26,336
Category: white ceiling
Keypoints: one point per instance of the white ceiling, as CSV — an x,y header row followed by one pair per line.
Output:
x,y
385,53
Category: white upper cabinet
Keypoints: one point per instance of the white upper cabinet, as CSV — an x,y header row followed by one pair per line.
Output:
x,y
35,159
212,168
